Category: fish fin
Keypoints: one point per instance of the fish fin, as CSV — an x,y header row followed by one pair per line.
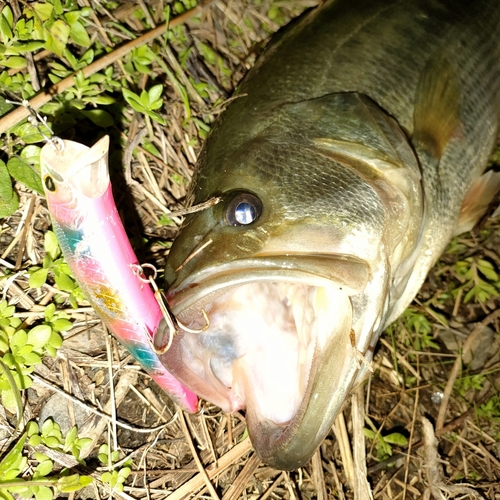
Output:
x,y
437,108
477,200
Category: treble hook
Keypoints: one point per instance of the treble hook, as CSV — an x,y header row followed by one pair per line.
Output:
x,y
170,325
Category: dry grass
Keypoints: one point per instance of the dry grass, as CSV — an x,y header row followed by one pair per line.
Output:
x,y
208,455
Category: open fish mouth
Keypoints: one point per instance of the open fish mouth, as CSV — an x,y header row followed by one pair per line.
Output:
x,y
273,336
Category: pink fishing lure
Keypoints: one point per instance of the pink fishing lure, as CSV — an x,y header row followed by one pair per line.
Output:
x,y
96,248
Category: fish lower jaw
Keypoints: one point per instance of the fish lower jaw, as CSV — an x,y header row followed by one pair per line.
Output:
x,y
258,352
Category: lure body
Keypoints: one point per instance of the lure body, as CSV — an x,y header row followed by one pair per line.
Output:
x,y
97,250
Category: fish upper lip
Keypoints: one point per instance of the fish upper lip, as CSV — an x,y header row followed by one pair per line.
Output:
x,y
188,297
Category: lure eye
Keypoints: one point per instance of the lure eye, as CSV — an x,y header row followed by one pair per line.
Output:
x,y
49,183
243,209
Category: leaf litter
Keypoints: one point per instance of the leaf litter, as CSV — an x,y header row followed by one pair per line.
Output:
x,y
425,425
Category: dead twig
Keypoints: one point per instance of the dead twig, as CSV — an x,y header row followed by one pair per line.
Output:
x,y
223,463
434,470
362,490
202,470
238,486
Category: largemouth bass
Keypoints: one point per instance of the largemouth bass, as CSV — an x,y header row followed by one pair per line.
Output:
x,y
91,235
354,151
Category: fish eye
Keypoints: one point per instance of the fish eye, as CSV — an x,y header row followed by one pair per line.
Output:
x,y
49,183
243,209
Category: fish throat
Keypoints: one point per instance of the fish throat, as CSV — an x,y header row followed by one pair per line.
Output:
x,y
261,346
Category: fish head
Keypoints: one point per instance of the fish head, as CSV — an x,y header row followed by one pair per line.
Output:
x,y
293,267
72,174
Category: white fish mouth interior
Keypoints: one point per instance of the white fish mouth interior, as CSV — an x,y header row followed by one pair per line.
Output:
x,y
260,345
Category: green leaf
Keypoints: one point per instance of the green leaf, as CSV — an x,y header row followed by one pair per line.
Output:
x,y
38,278
35,440
23,381
79,34
50,351
9,16
23,172
27,132
9,206
71,436
156,104
11,398
142,68
44,10
396,438
18,339
4,344
59,32
156,117
149,146
44,468
14,458
39,336
52,442
145,99
134,100
84,442
137,106
85,481
47,427
88,57
62,325
73,61
8,198
44,493
103,100
5,29
29,46
51,245
31,428
106,477
155,93
41,457
67,484
487,269
31,154
64,282
369,433
72,17
58,7
5,107
49,311
32,359
54,342
99,117
124,472
14,62
5,495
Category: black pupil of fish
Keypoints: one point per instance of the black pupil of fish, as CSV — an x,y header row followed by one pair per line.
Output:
x,y
49,183
245,213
